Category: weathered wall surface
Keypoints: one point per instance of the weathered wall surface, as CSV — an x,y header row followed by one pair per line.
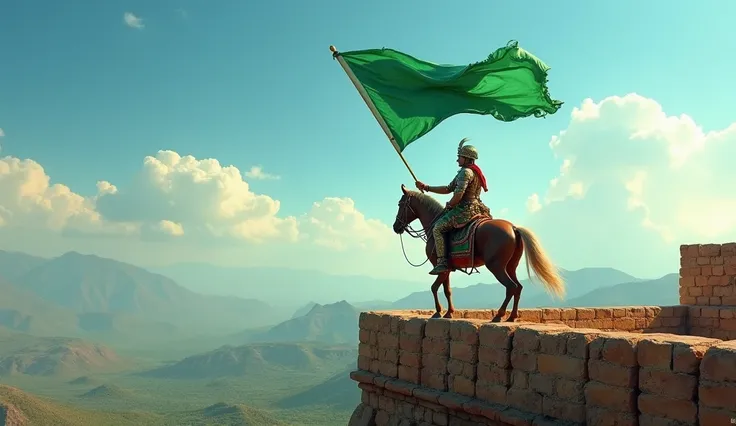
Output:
x,y
618,366
415,370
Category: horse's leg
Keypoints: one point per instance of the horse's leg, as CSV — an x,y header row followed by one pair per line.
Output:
x,y
448,296
435,288
499,271
511,272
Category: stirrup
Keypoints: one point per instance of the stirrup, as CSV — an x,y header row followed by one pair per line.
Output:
x,y
440,268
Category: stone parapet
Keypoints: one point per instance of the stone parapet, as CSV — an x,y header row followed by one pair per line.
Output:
x,y
708,274
561,369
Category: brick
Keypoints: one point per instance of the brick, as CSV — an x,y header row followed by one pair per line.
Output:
x,y
667,383
491,392
551,314
530,315
498,357
409,374
612,374
437,363
585,313
524,399
619,349
463,386
611,397
708,250
562,366
437,328
686,358
655,354
568,314
464,352
718,395
719,363
436,346
711,416
494,375
571,390
497,336
668,408
409,343
542,383
465,331
519,379
603,417
523,361
414,326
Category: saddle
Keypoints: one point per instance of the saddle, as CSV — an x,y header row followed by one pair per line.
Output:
x,y
460,243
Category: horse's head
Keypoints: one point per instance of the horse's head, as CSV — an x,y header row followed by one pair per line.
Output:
x,y
406,213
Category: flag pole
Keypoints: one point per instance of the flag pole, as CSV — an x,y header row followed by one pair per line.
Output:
x,y
371,106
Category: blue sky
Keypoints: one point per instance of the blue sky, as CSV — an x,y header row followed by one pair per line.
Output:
x,y
253,83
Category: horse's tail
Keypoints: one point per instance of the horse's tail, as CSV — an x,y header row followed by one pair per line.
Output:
x,y
540,263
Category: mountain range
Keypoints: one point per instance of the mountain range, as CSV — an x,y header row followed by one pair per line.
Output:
x,y
77,295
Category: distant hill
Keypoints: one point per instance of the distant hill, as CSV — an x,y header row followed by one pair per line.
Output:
x,y
49,356
107,392
19,408
15,264
22,310
229,361
485,296
660,292
283,286
228,414
303,310
91,285
333,323
338,392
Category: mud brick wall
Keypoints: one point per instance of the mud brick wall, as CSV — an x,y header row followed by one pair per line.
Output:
x,y
473,372
611,391
411,335
713,321
708,274
717,385
635,319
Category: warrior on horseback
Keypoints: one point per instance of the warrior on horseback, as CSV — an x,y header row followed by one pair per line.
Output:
x,y
465,204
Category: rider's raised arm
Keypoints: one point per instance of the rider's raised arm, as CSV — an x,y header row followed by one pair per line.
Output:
x,y
438,189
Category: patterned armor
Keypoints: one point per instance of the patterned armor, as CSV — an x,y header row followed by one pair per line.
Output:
x,y
467,183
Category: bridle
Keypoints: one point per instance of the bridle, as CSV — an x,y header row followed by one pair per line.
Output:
x,y
401,218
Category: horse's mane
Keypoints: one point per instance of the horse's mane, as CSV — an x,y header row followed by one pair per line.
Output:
x,y
427,201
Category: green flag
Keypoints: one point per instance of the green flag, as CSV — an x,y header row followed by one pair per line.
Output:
x,y
414,96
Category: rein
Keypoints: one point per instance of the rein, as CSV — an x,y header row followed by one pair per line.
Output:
x,y
421,234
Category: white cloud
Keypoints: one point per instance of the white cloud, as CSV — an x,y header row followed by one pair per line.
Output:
x,y
532,203
28,199
175,197
133,21
200,196
636,179
336,223
2,133
256,172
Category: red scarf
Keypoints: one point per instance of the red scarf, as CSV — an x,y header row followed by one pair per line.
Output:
x,y
474,167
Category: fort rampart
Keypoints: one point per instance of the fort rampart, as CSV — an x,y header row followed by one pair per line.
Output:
x,y
617,366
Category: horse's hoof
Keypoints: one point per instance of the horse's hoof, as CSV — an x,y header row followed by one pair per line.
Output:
x,y
496,319
448,315
437,315
511,319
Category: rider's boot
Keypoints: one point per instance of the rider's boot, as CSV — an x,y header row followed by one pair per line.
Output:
x,y
441,266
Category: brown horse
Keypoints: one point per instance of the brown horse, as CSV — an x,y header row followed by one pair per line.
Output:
x,y
498,245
